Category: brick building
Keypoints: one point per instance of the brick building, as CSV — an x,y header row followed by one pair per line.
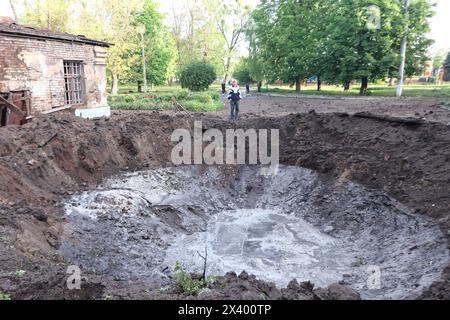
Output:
x,y
41,71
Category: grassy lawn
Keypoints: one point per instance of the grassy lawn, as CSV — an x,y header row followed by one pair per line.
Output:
x,y
165,98
424,90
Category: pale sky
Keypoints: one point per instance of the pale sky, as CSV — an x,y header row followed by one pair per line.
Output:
x,y
440,26
440,23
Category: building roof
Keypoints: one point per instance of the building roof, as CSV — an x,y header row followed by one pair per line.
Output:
x,y
21,31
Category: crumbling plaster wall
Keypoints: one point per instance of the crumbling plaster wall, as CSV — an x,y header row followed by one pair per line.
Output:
x,y
37,65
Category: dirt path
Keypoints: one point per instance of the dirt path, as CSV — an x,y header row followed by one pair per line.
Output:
x,y
279,105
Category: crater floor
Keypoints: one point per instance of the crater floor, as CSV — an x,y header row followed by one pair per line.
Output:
x,y
295,224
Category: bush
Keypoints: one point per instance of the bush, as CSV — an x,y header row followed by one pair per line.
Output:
x,y
130,99
197,76
215,96
191,287
4,297
242,72
182,94
163,100
204,98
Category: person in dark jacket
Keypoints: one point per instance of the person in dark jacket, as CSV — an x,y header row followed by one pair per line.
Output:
x,y
234,95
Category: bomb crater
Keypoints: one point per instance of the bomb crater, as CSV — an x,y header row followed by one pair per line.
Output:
x,y
296,224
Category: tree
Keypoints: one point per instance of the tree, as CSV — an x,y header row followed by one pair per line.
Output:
x,y
337,41
197,76
159,46
242,71
231,18
355,50
418,43
196,35
255,62
13,9
447,68
118,29
107,20
112,23
47,14
439,58
358,50
283,37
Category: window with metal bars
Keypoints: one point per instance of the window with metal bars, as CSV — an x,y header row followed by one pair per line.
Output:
x,y
74,82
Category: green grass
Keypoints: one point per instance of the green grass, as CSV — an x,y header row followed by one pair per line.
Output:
x,y
164,97
378,90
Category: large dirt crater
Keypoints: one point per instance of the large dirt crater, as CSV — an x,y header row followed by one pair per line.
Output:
x,y
292,225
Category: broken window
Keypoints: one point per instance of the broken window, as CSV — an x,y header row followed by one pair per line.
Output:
x,y
74,82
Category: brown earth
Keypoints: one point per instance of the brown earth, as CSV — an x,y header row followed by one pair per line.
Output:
x,y
44,162
276,105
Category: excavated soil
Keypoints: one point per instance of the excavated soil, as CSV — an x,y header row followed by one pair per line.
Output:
x,y
353,191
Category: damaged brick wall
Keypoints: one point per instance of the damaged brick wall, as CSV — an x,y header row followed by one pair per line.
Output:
x,y
37,66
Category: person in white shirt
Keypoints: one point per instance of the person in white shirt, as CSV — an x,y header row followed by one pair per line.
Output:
x,y
234,95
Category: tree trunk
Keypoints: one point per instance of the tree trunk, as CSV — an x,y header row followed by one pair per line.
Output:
x,y
391,82
298,84
346,85
227,68
319,84
115,84
364,85
139,85
144,63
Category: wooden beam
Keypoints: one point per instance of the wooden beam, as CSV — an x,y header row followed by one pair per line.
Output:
x,y
12,107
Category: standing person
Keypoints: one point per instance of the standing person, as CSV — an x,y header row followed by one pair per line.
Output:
x,y
234,95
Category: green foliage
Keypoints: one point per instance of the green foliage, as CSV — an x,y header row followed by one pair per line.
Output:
x,y
4,297
242,71
283,38
193,34
159,46
47,14
331,39
231,18
197,76
439,59
164,98
194,29
20,273
190,287
379,90
447,68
